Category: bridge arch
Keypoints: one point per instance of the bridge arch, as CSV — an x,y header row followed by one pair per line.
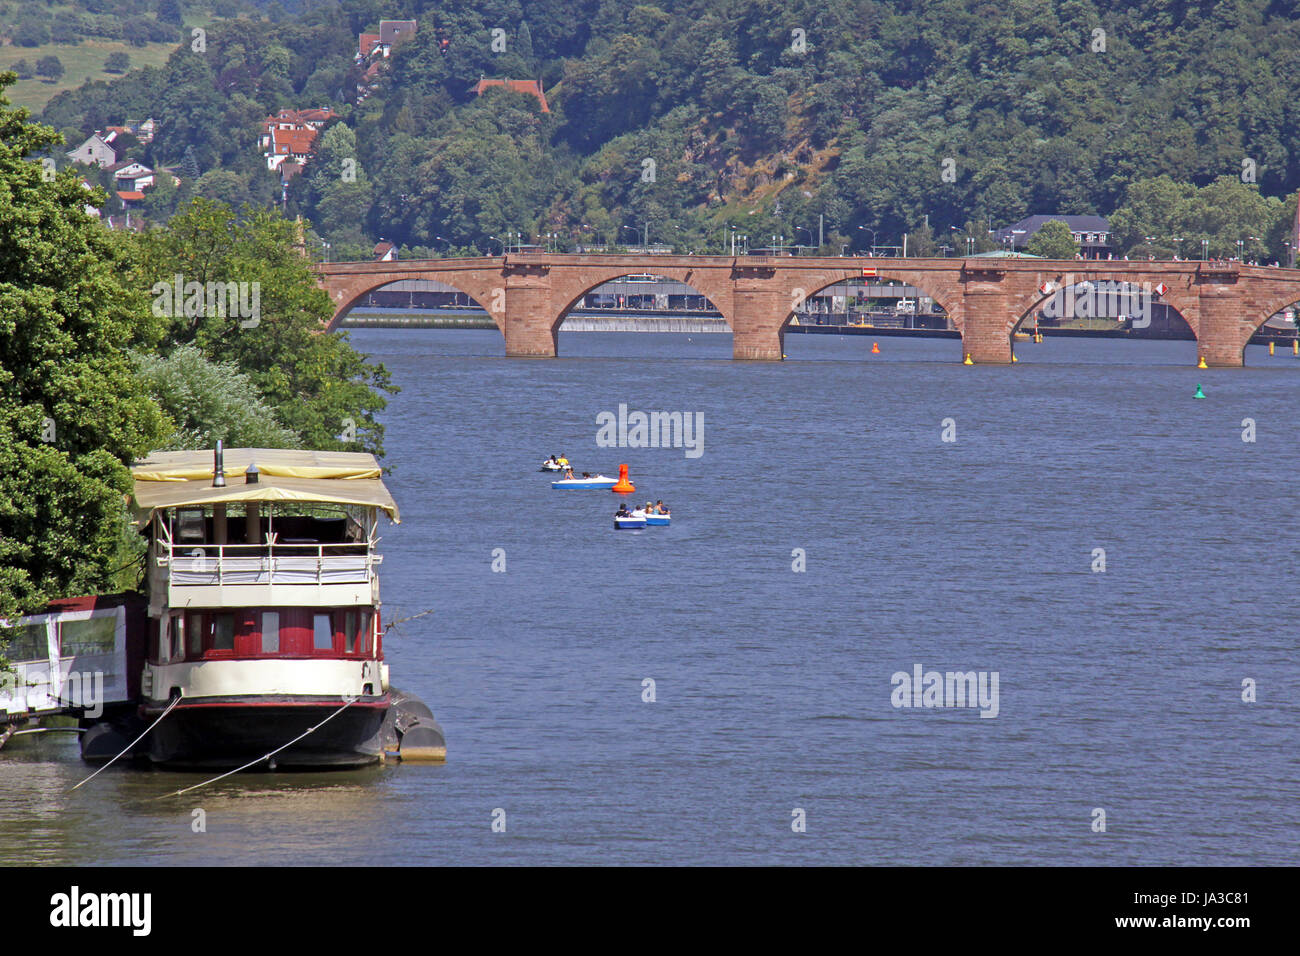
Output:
x,y
342,312
1267,307
949,298
348,283
570,289
1093,296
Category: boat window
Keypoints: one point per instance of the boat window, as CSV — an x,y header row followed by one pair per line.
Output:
x,y
94,636
190,526
350,623
223,632
193,634
270,632
27,642
322,632
177,634
367,624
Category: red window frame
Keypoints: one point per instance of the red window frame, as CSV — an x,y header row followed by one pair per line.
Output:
x,y
297,634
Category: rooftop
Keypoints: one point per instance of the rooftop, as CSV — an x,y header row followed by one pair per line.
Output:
x,y
172,479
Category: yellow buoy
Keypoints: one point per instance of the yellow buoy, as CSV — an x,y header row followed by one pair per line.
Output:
x,y
1270,348
968,361
1201,363
1295,347
1013,357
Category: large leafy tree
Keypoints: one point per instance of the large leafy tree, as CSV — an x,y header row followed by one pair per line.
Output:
x,y
1053,241
73,414
319,387
210,401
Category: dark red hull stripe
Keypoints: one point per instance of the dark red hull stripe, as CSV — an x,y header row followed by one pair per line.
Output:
x,y
156,707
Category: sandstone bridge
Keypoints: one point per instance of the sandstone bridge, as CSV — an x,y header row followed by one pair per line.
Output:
x,y
528,294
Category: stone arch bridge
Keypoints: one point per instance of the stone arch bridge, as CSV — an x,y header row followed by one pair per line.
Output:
x,y
528,294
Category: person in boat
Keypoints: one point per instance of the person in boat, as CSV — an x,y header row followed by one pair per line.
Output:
x,y
568,474
622,511
551,461
661,508
563,462
586,475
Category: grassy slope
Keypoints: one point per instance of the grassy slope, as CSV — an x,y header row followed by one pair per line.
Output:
x,y
82,62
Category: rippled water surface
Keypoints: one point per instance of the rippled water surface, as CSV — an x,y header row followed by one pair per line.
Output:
x,y
1119,690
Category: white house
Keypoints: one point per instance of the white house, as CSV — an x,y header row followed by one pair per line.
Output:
x,y
95,151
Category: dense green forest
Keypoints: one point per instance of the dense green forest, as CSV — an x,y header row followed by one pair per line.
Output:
x,y
684,119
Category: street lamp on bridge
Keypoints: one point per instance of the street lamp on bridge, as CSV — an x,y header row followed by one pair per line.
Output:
x,y
873,238
810,235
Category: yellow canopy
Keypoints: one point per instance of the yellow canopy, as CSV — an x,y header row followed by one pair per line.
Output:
x,y
171,479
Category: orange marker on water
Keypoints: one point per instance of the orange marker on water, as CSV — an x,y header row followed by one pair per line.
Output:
x,y
875,348
623,486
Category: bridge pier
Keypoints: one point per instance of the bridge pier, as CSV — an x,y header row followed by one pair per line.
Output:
x,y
987,319
529,327
758,318
1220,339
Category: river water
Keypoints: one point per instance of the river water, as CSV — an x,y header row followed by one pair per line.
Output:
x,y
1119,691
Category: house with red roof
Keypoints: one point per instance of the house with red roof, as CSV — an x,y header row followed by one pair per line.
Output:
x,y
528,87
289,144
290,135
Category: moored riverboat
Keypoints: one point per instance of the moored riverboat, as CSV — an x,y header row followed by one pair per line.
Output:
x,y
261,636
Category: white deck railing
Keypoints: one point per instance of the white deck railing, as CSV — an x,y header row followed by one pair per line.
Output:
x,y
213,565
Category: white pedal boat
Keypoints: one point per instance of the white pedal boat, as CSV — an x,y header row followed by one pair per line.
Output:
x,y
578,484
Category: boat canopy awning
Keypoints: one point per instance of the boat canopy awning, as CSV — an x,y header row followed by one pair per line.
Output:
x,y
173,479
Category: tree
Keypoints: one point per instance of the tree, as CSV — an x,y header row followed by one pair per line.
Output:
x,y
314,382
161,201
31,33
169,11
73,414
118,62
223,186
22,68
136,31
921,242
189,165
65,30
50,67
210,400
1053,241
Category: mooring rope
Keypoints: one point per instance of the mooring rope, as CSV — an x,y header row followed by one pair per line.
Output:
x,y
403,620
169,709
251,763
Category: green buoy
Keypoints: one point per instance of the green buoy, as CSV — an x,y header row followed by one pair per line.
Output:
x,y
1199,393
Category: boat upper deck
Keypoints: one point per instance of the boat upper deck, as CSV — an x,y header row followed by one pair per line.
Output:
x,y
276,526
